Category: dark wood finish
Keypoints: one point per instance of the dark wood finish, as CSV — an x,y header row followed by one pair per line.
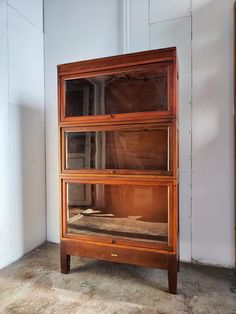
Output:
x,y
93,237
172,274
65,261
116,62
118,253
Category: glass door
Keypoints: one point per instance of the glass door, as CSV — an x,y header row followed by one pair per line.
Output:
x,y
123,211
144,148
132,90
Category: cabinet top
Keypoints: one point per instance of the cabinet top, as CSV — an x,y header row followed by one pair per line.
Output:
x,y
118,61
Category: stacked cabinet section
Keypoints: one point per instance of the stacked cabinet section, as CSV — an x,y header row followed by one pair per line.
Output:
x,y
118,135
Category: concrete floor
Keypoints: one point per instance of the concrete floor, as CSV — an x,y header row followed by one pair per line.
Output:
x,y
34,285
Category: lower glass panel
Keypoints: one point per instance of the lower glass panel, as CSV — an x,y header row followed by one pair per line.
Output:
x,y
126,211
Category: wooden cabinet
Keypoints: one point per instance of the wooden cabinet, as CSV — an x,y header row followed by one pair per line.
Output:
x,y
118,135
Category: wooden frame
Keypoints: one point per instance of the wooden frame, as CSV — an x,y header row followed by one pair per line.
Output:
x,y
113,65
171,160
112,248
171,246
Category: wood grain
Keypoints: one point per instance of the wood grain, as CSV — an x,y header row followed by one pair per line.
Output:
x,y
162,208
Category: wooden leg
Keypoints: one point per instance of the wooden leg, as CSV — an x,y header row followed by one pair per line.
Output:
x,y
172,276
178,265
65,262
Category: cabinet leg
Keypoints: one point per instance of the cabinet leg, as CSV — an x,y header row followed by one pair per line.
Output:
x,y
178,265
65,263
172,276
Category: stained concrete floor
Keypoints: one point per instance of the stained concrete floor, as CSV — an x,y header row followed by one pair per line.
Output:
x,y
34,285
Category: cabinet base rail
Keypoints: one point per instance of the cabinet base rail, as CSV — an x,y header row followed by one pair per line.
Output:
x,y
121,254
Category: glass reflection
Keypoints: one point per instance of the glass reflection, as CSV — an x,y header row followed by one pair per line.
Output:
x,y
134,91
142,149
137,212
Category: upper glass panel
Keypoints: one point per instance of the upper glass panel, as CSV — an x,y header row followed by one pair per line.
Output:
x,y
136,149
141,90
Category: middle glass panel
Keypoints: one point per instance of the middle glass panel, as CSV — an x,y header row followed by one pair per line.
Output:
x,y
143,148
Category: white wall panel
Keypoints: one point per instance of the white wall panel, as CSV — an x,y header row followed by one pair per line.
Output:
x,y
213,218
29,9
22,158
74,30
213,208
178,33
26,97
163,10
5,225
138,21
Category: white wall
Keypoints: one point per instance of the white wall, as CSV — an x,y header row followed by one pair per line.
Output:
x,y
22,157
74,30
173,28
212,194
202,32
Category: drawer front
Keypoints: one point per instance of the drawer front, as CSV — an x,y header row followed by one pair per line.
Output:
x,y
119,254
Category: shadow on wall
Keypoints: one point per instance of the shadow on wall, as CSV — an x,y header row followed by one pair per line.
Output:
x,y
213,209
27,195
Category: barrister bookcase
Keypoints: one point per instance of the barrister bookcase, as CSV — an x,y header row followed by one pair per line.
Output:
x,y
118,138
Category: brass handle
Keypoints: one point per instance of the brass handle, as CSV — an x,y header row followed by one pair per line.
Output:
x,y
114,255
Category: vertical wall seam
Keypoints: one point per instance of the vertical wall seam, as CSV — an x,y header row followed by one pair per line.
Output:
x,y
9,130
188,131
126,26
191,123
45,126
149,24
